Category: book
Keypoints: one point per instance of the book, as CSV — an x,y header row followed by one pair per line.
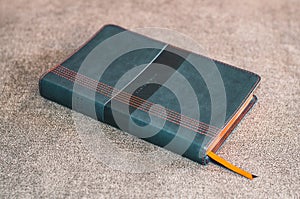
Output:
x,y
176,99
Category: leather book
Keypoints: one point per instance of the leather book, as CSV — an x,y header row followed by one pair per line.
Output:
x,y
179,100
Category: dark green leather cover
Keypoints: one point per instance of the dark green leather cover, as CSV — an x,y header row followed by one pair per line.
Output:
x,y
64,84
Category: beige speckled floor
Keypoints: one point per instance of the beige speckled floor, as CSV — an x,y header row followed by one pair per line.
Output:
x,y
41,153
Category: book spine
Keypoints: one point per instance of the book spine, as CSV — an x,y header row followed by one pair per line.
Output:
x,y
55,92
60,90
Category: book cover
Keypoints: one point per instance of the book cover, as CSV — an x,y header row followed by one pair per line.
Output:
x,y
176,99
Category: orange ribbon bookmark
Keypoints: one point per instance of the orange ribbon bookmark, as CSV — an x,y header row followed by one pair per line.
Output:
x,y
230,166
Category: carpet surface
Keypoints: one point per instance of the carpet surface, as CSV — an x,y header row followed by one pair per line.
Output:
x,y
42,153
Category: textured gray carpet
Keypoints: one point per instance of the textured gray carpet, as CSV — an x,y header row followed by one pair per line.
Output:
x,y
42,154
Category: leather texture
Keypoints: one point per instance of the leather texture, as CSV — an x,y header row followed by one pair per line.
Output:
x,y
152,85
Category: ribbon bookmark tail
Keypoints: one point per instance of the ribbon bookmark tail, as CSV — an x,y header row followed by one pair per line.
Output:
x,y
230,166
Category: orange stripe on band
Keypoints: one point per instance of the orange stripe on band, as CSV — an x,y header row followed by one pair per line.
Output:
x,y
230,166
